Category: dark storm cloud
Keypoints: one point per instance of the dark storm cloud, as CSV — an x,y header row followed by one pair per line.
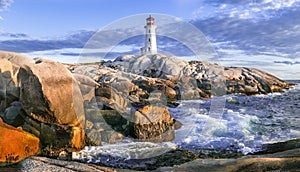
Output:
x,y
76,40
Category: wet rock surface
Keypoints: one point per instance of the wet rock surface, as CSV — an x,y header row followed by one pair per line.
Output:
x,y
171,158
282,161
279,147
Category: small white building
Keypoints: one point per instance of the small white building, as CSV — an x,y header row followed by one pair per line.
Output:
x,y
150,37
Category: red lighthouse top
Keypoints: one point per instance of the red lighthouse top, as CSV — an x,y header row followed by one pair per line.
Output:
x,y
150,20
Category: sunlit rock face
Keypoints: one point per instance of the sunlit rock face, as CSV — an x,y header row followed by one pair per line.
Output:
x,y
153,121
43,98
10,64
197,79
16,144
51,97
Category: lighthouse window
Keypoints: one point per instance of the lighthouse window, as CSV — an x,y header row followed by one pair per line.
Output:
x,y
149,48
149,40
149,31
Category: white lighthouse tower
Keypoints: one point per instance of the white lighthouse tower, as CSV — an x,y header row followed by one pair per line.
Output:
x,y
150,38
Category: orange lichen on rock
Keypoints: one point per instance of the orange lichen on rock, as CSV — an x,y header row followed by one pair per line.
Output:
x,y
78,136
16,144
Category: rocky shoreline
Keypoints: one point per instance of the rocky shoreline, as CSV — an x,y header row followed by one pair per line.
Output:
x,y
287,160
66,107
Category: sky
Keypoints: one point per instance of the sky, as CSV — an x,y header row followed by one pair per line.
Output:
x,y
264,34
47,18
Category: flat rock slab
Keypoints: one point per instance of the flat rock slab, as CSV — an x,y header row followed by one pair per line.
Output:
x,y
282,161
37,164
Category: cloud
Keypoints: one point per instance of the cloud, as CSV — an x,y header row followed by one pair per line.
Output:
x,y
265,32
8,35
246,9
288,62
277,36
78,55
234,2
4,5
22,43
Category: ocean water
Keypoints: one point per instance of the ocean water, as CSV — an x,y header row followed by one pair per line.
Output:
x,y
247,122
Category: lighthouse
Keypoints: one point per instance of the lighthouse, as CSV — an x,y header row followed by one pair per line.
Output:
x,y
150,37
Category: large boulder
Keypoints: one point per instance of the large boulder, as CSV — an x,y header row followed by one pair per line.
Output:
x,y
49,93
153,122
9,68
148,123
43,98
52,100
14,114
16,144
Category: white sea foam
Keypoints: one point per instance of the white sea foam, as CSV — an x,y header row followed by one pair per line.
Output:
x,y
247,123
203,131
131,150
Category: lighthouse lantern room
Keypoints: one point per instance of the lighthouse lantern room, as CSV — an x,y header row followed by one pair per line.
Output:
x,y
150,37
